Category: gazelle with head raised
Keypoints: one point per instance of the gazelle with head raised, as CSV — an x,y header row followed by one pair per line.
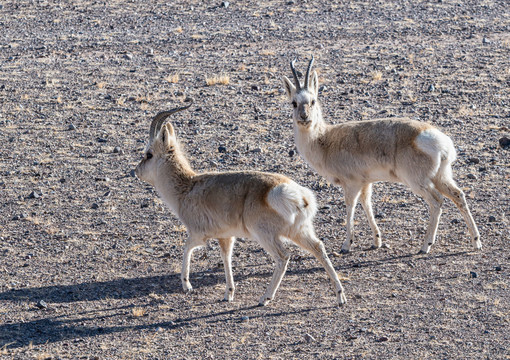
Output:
x,y
356,154
265,207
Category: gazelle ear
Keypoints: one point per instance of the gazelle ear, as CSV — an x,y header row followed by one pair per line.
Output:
x,y
166,134
290,89
315,84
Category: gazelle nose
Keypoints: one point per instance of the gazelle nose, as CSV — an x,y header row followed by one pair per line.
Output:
x,y
304,116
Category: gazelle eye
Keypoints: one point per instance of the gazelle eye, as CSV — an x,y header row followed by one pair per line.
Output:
x,y
149,156
313,102
294,104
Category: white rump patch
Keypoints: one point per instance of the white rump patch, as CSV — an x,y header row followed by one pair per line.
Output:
x,y
437,145
291,200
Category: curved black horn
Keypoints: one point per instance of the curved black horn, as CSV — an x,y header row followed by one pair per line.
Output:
x,y
296,80
160,118
307,77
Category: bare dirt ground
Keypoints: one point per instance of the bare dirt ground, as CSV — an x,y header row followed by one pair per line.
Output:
x,y
90,257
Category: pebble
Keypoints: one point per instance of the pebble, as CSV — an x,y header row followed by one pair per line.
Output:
x,y
255,87
256,150
245,318
128,56
474,160
471,176
382,339
473,274
34,195
492,218
504,142
94,206
41,304
101,140
225,4
71,127
62,180
132,173
486,41
498,268
117,150
292,153
222,149
309,338
432,88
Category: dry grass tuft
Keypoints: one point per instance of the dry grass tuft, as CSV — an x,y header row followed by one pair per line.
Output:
x,y
376,75
101,85
267,52
172,79
217,80
138,312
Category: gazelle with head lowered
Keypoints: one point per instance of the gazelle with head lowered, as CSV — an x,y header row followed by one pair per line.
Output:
x,y
356,154
265,207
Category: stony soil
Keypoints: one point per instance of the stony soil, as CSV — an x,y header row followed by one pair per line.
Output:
x,y
90,257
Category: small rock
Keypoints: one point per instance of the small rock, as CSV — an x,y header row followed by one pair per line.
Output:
x,y
291,2
471,176
486,41
474,160
128,56
382,339
309,338
225,4
62,180
41,304
455,221
116,150
245,318
504,142
222,149
34,195
498,268
15,218
292,153
255,87
364,329
473,274
132,173
322,88
101,140
71,127
492,218
94,206
432,88
256,150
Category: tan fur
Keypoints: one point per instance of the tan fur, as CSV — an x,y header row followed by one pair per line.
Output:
x,y
265,207
356,154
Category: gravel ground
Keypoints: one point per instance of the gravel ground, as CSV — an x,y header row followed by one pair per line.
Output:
x,y
90,257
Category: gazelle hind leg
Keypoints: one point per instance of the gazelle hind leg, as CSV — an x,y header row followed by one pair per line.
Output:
x,y
277,251
351,199
226,246
366,202
435,200
449,188
307,240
